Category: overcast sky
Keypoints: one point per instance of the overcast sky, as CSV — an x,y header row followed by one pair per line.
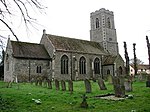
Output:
x,y
71,18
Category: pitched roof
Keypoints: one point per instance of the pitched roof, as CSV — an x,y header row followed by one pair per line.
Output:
x,y
29,50
75,45
143,66
108,60
111,59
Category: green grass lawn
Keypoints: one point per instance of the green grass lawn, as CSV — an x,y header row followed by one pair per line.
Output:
x,y
20,100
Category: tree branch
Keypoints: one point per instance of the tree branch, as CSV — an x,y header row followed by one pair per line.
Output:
x,y
9,29
7,7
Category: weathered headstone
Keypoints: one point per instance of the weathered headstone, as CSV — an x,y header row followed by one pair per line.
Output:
x,y
63,85
132,78
40,81
148,81
128,86
44,82
142,77
101,84
70,86
57,84
36,82
87,86
32,80
119,87
49,83
110,79
9,84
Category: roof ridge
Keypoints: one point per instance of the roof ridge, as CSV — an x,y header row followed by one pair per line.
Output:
x,y
70,38
25,42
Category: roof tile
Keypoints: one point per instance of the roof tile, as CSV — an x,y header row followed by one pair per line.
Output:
x,y
29,50
75,45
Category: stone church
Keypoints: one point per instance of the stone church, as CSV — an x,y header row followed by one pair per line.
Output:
x,y
63,58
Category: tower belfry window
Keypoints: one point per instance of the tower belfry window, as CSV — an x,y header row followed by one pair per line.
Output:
x,y
97,23
108,23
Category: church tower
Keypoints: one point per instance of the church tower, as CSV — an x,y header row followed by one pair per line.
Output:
x,y
103,30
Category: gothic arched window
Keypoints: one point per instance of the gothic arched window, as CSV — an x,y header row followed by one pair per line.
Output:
x,y
108,72
64,64
108,23
82,65
38,69
97,66
97,23
120,70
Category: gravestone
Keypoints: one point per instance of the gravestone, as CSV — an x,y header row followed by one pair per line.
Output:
x,y
40,81
57,84
101,84
110,79
142,77
32,80
128,86
119,87
70,86
45,82
87,86
49,83
148,81
63,85
132,78
36,82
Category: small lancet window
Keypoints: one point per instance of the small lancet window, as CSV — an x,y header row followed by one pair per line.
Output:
x,y
38,69
108,23
97,23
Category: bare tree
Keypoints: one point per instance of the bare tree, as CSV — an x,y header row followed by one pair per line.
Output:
x,y
138,61
148,47
127,58
135,58
8,8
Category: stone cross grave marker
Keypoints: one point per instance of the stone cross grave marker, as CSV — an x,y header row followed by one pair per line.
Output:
x,y
84,103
